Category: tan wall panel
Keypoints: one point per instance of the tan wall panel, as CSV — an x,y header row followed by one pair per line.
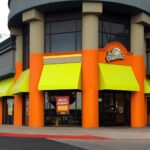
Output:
x,y
19,49
36,37
62,60
32,15
89,7
90,32
137,39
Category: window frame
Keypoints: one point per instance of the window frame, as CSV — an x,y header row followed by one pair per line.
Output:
x,y
62,17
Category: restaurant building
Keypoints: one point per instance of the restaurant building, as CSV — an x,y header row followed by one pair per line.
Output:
x,y
76,63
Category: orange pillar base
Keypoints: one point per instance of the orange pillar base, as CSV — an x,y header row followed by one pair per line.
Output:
x,y
18,99
90,111
36,98
18,110
138,103
138,116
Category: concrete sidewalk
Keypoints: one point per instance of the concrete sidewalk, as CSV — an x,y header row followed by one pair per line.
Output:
x,y
106,132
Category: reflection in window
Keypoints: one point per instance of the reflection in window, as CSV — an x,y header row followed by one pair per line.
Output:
x,y
111,30
63,42
63,36
26,47
10,104
148,57
63,26
8,110
73,117
148,60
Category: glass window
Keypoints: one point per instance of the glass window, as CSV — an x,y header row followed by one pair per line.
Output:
x,y
79,25
47,104
64,26
26,47
113,29
72,116
79,100
106,38
148,57
47,43
48,28
63,42
10,104
63,35
79,39
148,60
8,111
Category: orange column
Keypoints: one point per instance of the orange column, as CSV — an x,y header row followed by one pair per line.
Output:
x,y
90,110
138,105
18,99
36,105
1,111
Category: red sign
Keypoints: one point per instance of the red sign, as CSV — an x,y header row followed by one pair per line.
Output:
x,y
62,104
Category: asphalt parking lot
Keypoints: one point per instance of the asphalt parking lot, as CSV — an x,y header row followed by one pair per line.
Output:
x,y
12,143
109,144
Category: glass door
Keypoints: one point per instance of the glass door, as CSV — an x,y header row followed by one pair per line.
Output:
x,y
25,109
115,108
8,110
148,111
63,108
108,109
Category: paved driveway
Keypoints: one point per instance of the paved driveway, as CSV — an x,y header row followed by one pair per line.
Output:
x,y
109,144
11,143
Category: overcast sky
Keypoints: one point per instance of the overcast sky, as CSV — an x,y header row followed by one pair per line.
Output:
x,y
4,17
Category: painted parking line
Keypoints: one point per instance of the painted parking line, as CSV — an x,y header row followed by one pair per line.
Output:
x,y
82,137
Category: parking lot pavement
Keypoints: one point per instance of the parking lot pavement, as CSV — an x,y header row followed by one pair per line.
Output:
x,y
102,132
28,143
109,144
11,143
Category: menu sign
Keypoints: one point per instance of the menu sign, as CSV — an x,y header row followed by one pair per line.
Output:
x,y
62,104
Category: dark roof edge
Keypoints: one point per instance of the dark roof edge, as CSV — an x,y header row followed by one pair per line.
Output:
x,y
7,44
9,3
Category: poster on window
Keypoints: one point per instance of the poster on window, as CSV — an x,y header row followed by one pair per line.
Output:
x,y
62,104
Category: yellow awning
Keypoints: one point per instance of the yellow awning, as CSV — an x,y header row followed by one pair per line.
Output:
x,y
117,77
22,84
60,77
147,86
5,86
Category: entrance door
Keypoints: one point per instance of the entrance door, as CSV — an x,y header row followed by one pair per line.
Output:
x,y
63,108
148,111
8,110
115,108
25,111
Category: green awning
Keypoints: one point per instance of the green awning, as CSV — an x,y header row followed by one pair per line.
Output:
x,y
147,86
5,86
60,77
117,77
22,84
